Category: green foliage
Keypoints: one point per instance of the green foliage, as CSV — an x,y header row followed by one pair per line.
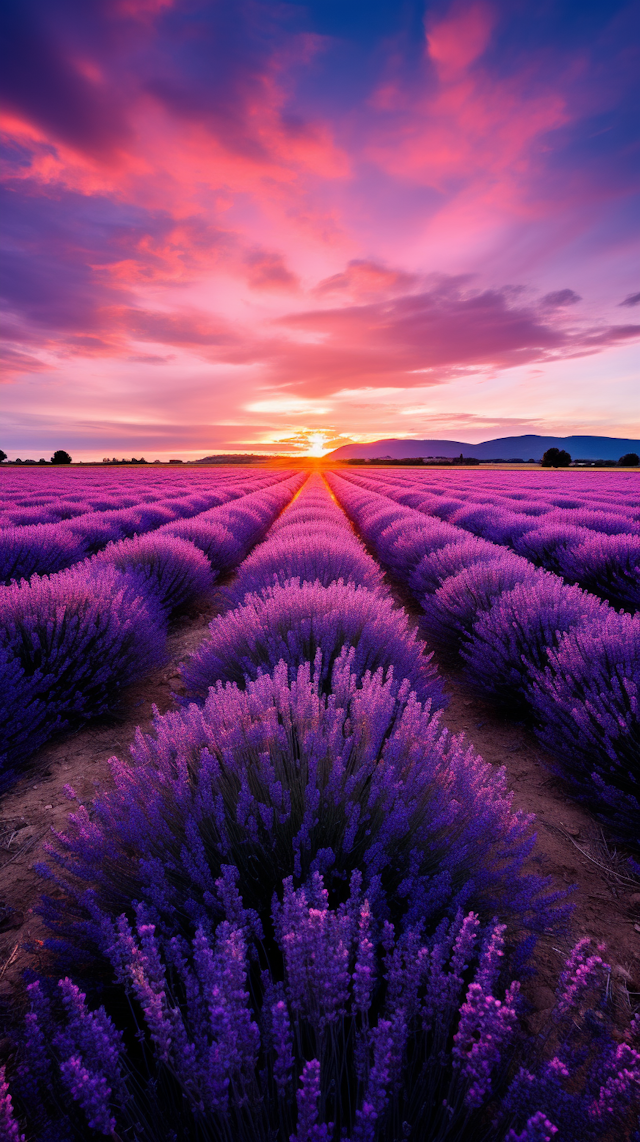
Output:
x,y
556,458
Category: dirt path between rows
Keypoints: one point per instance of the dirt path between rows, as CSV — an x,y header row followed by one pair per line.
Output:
x,y
38,802
570,844
570,848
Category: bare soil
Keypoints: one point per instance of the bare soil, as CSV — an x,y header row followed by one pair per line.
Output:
x,y
570,847
37,803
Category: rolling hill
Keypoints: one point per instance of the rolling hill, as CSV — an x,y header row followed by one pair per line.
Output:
x,y
528,447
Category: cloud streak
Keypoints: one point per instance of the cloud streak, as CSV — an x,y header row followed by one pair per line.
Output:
x,y
242,206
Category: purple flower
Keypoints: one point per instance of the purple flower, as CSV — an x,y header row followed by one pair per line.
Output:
x,y
282,1042
317,948
582,973
537,1129
171,571
9,1127
308,1096
293,622
91,1092
511,641
68,646
586,705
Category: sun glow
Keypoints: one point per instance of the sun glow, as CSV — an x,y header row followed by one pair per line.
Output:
x,y
317,444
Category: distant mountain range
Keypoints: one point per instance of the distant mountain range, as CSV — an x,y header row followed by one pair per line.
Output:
x,y
504,448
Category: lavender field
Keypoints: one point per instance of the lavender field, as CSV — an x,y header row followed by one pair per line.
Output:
x,y
294,904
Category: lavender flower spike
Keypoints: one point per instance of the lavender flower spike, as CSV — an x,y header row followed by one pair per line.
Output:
x,y
621,1086
580,975
91,1091
308,1095
485,1026
282,1041
9,1129
538,1129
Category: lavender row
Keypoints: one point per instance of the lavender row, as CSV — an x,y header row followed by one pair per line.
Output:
x,y
374,770
540,491
594,544
543,650
363,1033
308,592
304,848
71,642
61,504
46,548
65,495
305,844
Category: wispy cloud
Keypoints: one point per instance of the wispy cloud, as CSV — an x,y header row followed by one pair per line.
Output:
x,y
213,212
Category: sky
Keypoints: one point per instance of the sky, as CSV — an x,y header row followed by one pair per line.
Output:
x,y
280,227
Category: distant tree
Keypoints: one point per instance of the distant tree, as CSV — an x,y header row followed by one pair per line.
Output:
x,y
3,456
61,457
556,458
629,460
41,461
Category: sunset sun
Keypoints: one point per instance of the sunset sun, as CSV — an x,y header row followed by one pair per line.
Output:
x,y
319,571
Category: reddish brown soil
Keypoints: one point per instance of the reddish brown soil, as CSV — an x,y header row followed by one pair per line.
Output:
x,y
570,847
37,802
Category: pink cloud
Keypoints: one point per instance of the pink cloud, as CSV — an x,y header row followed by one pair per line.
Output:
x,y
269,271
196,192
457,40
424,338
363,279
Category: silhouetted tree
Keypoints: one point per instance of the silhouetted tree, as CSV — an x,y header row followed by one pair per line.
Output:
x,y
629,460
3,456
556,458
61,457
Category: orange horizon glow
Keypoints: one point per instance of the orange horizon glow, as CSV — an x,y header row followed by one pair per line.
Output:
x,y
253,229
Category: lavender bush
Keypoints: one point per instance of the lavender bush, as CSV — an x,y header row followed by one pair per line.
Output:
x,y
405,542
439,565
171,571
510,641
95,530
547,545
293,622
605,522
489,522
608,565
280,780
221,547
68,646
43,548
310,554
586,704
451,613
325,1023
